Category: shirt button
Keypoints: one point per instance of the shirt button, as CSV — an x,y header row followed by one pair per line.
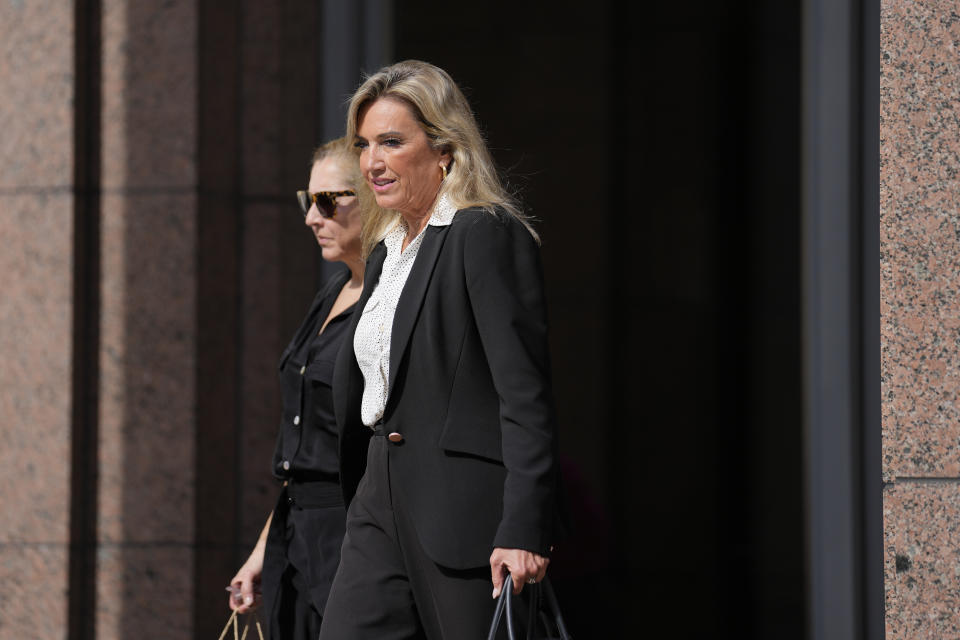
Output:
x,y
286,465
303,369
296,420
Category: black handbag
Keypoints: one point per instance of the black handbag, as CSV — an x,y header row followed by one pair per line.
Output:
x,y
544,621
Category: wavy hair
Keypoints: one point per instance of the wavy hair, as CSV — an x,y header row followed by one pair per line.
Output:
x,y
442,111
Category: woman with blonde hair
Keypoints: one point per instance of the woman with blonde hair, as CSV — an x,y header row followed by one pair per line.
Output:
x,y
297,553
447,366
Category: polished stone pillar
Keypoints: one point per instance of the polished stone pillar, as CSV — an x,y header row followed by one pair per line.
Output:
x,y
36,235
920,260
147,320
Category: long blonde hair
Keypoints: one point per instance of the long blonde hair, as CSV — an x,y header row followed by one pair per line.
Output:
x,y
444,114
342,150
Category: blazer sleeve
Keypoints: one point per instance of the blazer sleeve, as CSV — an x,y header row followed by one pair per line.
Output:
x,y
504,281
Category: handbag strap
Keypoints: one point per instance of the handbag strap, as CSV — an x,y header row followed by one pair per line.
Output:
x,y
508,587
504,603
246,627
533,609
234,621
555,609
498,613
231,620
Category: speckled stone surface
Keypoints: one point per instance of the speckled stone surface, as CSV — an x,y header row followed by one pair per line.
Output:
x,y
261,353
145,592
147,368
149,94
33,579
922,560
36,263
262,119
35,345
36,82
920,237
920,315
148,333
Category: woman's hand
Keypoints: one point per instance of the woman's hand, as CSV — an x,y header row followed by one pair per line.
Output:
x,y
523,566
247,580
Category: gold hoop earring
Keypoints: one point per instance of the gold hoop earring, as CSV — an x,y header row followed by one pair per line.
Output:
x,y
443,168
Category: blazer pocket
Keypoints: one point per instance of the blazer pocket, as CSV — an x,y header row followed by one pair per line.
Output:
x,y
472,437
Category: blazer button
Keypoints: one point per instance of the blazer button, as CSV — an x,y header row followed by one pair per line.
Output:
x,y
286,465
395,437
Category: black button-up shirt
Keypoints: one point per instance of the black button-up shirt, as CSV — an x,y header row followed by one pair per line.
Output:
x,y
306,448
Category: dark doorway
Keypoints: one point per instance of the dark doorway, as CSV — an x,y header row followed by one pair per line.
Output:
x,y
659,147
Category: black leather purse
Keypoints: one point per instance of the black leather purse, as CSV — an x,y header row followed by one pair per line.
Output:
x,y
544,621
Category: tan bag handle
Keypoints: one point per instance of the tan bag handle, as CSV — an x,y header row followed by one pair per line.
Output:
x,y
234,620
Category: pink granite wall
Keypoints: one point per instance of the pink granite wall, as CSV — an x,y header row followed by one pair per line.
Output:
x,y
36,236
920,315
147,320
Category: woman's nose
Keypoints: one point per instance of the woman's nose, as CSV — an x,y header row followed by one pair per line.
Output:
x,y
373,159
313,216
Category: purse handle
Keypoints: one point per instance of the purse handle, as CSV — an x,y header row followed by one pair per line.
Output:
x,y
504,603
234,620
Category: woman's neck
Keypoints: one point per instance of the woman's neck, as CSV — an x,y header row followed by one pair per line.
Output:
x,y
356,272
414,227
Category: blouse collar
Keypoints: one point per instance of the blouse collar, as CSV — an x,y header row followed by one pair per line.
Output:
x,y
442,216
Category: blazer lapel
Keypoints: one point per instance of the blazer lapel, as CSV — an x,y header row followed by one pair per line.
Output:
x,y
408,307
348,380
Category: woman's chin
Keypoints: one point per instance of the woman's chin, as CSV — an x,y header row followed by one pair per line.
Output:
x,y
330,254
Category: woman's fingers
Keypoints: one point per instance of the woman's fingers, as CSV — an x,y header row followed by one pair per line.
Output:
x,y
497,570
246,591
523,566
518,581
243,592
235,599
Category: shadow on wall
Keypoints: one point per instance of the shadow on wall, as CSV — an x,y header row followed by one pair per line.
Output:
x,y
148,322
207,272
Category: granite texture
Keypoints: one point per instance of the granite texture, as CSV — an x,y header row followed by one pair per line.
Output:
x,y
33,579
36,82
145,592
35,346
261,117
262,345
922,560
920,237
36,233
920,315
149,94
147,362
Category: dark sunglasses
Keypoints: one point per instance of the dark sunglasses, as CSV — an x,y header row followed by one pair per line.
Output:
x,y
326,201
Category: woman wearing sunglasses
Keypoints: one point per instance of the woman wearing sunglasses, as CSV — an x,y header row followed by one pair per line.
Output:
x,y
296,556
446,364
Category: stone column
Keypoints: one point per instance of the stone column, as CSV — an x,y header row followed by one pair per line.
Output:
x,y
147,320
920,263
36,233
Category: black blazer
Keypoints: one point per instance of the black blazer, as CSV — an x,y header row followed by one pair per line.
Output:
x,y
469,390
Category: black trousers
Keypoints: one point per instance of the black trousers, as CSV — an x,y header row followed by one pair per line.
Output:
x,y
302,552
386,587
295,617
